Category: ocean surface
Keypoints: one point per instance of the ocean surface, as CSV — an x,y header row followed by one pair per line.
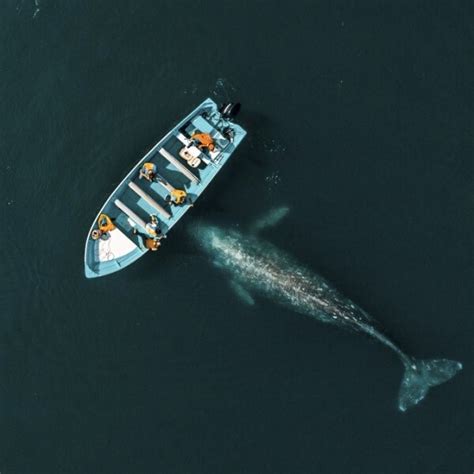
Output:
x,y
359,118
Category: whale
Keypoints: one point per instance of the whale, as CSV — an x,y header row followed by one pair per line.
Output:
x,y
257,267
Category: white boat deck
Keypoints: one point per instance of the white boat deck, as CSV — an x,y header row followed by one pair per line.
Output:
x,y
116,246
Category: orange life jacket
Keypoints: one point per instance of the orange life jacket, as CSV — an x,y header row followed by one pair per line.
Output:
x,y
105,223
205,140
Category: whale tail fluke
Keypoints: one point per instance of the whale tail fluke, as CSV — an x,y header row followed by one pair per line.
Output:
x,y
421,375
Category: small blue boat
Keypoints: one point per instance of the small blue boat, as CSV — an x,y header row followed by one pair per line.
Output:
x,y
161,188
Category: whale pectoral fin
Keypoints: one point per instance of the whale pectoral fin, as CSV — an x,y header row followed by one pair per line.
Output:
x,y
242,293
270,219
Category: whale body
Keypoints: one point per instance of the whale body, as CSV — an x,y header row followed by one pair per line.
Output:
x,y
256,266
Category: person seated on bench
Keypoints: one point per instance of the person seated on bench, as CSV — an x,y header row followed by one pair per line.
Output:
x,y
177,197
152,228
148,171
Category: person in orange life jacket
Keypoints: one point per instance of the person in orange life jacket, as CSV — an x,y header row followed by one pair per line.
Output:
x,y
148,171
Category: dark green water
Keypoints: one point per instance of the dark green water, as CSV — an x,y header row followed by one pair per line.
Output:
x,y
360,119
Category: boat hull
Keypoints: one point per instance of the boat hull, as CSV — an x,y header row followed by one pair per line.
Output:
x,y
180,164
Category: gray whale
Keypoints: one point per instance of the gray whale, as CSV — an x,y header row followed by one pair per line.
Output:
x,y
256,266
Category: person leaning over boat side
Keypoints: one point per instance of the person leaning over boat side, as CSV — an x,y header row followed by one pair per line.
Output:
x,y
152,242
148,171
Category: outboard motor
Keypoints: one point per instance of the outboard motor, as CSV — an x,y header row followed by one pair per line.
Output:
x,y
230,110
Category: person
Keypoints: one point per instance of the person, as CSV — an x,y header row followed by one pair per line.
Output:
x,y
152,227
152,244
148,171
203,141
105,223
177,197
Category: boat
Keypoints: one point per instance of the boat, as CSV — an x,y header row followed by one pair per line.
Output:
x,y
161,188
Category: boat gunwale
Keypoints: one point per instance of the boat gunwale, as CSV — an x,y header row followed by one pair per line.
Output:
x,y
96,271
207,101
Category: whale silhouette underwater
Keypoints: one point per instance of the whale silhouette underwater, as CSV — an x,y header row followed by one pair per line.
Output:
x,y
256,266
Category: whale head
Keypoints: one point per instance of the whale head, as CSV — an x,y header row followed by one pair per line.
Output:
x,y
210,238
226,247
